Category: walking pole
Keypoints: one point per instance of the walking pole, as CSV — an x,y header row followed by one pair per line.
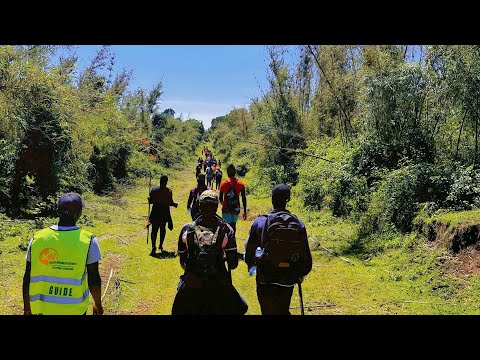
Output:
x,y
301,296
148,215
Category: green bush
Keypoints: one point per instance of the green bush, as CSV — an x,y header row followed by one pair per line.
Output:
x,y
395,203
464,192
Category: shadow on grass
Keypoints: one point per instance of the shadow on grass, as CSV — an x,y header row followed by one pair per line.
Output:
x,y
165,255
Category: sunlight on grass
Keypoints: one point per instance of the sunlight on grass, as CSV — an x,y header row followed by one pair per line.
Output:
x,y
395,275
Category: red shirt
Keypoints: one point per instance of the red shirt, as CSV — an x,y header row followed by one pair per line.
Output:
x,y
226,184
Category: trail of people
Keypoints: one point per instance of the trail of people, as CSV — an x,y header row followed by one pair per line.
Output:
x,y
140,283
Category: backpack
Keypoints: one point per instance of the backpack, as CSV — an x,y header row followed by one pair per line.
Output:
x,y
232,200
285,249
209,172
205,252
196,199
219,174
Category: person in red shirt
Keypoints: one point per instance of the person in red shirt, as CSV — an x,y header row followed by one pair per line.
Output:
x,y
230,190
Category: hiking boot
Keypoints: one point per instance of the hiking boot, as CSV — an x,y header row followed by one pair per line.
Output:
x,y
152,253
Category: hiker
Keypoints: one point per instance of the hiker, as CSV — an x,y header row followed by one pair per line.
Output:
x,y
198,170
193,202
162,198
209,175
230,189
286,258
218,178
205,286
62,266
219,164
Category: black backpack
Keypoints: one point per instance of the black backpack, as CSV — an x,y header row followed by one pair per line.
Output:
x,y
285,249
232,199
205,251
219,174
196,200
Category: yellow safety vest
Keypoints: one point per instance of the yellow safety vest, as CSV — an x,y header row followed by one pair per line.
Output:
x,y
58,277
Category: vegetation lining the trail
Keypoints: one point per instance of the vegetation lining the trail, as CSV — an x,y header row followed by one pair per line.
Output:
x,y
393,186
395,128
68,129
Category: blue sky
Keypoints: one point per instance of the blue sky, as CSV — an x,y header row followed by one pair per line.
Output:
x,y
199,81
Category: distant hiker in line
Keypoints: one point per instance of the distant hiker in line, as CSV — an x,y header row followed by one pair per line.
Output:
x,y
193,202
198,170
162,198
209,175
230,190
286,258
62,266
203,246
218,178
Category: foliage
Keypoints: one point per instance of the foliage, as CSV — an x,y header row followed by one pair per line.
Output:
x,y
66,130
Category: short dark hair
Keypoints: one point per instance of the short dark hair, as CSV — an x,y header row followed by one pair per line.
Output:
x,y
163,179
231,171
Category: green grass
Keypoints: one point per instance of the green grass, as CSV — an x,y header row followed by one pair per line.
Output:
x,y
455,218
397,274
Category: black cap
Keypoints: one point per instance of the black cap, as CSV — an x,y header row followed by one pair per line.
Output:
x,y
70,202
281,191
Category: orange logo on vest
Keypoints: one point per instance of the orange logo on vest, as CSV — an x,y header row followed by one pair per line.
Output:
x,y
47,255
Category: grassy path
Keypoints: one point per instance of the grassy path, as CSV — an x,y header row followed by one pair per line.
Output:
x,y
399,281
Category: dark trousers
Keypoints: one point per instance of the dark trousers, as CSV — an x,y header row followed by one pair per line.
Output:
x,y
217,183
208,297
274,299
163,233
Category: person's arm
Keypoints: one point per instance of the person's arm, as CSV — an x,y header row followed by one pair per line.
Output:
x,y
309,261
26,288
244,201
182,248
172,203
230,248
220,194
190,200
251,243
95,287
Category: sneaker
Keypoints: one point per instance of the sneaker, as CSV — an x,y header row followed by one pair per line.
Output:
x,y
152,253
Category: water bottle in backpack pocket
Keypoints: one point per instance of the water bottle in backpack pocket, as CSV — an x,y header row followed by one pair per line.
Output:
x,y
258,255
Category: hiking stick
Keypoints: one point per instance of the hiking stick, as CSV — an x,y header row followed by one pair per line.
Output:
x,y
301,296
149,187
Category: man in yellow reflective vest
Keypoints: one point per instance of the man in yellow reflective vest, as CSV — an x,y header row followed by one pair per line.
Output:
x,y
62,266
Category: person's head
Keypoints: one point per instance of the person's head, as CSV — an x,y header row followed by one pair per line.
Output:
x,y
70,208
208,203
280,196
231,171
163,180
201,179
